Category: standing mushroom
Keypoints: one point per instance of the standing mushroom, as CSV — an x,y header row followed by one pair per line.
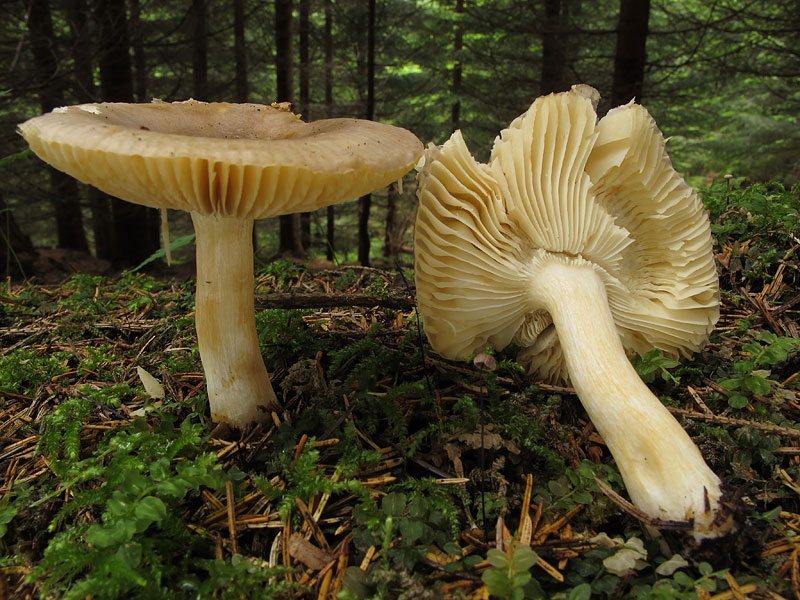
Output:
x,y
227,164
578,241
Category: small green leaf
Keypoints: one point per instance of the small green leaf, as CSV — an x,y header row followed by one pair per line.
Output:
x,y
683,580
453,567
133,482
767,337
757,385
394,504
732,383
118,505
452,548
472,561
175,487
705,569
737,401
497,558
150,510
580,592
105,536
100,536
772,514
497,582
520,579
557,487
411,530
159,469
355,581
130,555
517,593
524,558
417,508
753,348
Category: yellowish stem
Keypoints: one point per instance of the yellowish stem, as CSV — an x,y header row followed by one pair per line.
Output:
x,y
239,388
165,236
663,470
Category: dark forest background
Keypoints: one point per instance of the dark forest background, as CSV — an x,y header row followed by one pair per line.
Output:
x,y
722,78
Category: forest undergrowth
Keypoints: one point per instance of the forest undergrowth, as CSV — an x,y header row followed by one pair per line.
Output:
x,y
389,472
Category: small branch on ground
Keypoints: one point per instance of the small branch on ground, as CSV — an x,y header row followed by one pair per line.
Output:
x,y
264,302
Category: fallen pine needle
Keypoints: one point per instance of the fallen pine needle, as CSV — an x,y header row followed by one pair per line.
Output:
x,y
231,516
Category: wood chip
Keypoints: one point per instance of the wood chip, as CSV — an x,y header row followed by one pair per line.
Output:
x,y
307,553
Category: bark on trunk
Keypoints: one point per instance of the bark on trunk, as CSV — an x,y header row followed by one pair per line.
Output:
x,y
65,195
630,56
240,51
291,243
139,60
305,100
135,227
390,241
283,51
365,202
458,47
554,47
200,50
14,244
330,213
85,90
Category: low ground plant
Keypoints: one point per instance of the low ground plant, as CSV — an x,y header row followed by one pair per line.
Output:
x,y
389,472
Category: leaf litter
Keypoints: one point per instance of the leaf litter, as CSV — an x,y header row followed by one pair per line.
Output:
x,y
370,414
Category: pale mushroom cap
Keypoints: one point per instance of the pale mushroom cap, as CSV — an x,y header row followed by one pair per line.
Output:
x,y
560,184
230,160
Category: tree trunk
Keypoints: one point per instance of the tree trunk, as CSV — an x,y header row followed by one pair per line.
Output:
x,y
330,252
291,243
284,71
83,55
14,244
116,82
390,241
239,51
82,51
139,60
240,65
458,47
304,27
630,56
66,199
554,47
135,227
200,50
365,201
305,100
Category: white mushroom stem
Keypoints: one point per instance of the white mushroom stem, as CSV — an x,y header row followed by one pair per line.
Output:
x,y
239,389
663,470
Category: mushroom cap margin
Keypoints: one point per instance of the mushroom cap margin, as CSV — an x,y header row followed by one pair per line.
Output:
x,y
231,160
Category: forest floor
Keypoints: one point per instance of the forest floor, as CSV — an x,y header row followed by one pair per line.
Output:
x,y
389,472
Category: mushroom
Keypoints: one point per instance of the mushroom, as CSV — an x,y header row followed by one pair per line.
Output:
x,y
227,164
579,242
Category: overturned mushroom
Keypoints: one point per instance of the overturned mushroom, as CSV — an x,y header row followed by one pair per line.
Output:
x,y
227,164
578,241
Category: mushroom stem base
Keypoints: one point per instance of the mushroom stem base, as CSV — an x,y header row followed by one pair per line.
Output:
x,y
663,470
239,388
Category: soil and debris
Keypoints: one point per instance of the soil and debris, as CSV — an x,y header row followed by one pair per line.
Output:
x,y
367,403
